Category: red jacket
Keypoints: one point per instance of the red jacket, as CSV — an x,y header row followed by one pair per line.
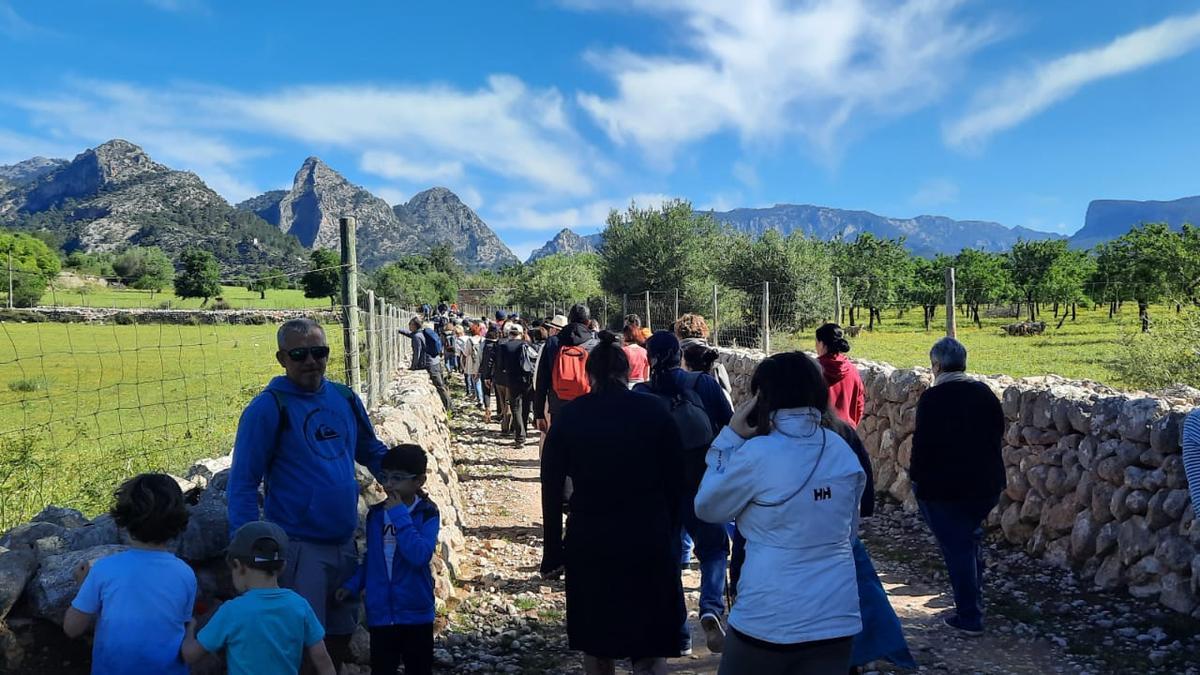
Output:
x,y
846,393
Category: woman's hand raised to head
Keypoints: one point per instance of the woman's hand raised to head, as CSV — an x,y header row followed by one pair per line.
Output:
x,y
741,423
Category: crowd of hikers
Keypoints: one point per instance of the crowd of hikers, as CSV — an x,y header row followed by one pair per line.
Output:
x,y
644,455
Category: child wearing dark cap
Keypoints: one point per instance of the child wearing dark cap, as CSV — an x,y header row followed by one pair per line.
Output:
x,y
401,537
139,600
266,629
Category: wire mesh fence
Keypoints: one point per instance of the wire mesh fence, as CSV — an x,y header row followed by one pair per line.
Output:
x,y
88,399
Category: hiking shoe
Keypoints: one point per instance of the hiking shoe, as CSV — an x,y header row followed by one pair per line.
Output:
x,y
957,624
714,633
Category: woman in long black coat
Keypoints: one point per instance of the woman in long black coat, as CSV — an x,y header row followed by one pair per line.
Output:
x,y
621,551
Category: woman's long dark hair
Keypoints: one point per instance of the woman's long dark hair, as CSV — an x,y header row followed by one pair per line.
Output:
x,y
607,366
834,338
787,380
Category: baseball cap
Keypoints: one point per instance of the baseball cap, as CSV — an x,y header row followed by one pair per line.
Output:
x,y
501,315
559,321
258,541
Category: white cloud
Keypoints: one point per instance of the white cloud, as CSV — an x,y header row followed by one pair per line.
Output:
x,y
765,69
390,195
470,196
935,192
416,134
746,174
524,248
524,214
392,165
1026,94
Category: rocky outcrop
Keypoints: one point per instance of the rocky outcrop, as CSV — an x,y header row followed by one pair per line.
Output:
x,y
38,559
440,217
28,171
115,195
569,243
1095,476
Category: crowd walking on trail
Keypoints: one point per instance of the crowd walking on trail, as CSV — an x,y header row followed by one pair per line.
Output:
x,y
645,462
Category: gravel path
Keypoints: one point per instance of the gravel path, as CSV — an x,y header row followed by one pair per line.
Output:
x,y
508,620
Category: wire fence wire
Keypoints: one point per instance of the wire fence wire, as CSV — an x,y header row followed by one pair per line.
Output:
x,y
84,405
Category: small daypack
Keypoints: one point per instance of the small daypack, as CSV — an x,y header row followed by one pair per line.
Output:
x,y
433,343
569,376
687,410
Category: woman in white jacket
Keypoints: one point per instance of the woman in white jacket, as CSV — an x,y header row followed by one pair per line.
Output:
x,y
793,486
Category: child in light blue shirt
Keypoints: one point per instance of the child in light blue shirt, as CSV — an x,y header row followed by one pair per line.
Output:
x,y
266,630
139,600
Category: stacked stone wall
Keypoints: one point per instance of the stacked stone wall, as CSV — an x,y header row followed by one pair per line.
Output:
x,y
167,316
1095,475
37,559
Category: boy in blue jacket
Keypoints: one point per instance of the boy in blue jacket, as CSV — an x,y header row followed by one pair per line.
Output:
x,y
401,536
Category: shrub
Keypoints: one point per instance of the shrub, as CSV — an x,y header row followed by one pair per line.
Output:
x,y
20,315
1166,355
220,303
27,384
124,319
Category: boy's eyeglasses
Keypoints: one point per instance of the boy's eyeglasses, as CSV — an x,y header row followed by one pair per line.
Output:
x,y
300,354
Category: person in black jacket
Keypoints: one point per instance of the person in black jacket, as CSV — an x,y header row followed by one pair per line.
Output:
x,y
426,355
957,473
621,552
514,375
546,403
487,366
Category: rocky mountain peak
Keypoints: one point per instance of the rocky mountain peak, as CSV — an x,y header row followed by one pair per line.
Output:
x,y
119,160
29,170
439,216
567,242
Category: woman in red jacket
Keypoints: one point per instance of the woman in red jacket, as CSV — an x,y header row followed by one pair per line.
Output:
x,y
846,394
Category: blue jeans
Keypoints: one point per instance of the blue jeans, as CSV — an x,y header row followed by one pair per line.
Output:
x,y
958,527
712,549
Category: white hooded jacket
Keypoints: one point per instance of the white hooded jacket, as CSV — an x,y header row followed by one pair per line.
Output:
x,y
795,496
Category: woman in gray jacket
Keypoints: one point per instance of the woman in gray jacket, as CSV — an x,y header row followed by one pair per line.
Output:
x,y
793,487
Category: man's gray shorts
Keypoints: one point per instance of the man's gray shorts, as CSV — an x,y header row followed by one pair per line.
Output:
x,y
316,571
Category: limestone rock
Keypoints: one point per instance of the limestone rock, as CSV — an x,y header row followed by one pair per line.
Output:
x,y
24,535
16,569
1177,593
53,587
1175,553
202,471
1134,540
207,533
61,516
1137,416
1110,574
1083,537
1137,501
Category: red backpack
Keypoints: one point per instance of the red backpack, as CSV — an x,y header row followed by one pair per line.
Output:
x,y
569,376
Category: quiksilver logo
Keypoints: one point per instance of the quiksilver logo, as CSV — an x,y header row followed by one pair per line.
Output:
x,y
822,493
326,432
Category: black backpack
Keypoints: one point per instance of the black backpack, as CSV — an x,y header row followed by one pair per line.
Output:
x,y
695,427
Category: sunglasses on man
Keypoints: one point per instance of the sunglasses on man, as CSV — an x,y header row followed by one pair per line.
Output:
x,y
300,354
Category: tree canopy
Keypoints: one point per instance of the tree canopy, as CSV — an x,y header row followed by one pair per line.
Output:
x,y
33,266
199,276
324,276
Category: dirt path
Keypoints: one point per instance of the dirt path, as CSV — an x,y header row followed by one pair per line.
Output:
x,y
1040,620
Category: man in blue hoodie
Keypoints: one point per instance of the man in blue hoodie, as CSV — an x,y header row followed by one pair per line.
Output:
x,y
299,439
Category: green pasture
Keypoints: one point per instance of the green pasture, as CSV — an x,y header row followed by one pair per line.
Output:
x,y
1081,349
237,297
83,406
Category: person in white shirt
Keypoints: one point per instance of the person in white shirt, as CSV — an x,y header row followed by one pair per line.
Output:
x,y
793,487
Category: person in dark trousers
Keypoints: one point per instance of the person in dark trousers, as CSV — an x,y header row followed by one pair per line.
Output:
x,y
298,441
394,574
620,555
957,473
427,355
514,373
547,402
669,380
487,369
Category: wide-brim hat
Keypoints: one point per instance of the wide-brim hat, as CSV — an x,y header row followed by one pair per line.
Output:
x,y
557,321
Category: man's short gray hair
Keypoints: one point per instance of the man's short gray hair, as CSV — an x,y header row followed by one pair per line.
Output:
x,y
296,326
948,355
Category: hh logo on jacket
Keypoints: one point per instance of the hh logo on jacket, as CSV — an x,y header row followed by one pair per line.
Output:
x,y
822,493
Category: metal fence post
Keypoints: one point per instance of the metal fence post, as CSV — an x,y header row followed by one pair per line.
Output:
x,y
648,310
715,325
837,299
347,227
951,318
766,317
373,346
676,306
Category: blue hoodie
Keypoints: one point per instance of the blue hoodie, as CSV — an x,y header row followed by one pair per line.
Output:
x,y
406,598
307,463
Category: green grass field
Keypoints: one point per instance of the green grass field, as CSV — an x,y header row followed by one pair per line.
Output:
x,y
1083,349
84,406
237,297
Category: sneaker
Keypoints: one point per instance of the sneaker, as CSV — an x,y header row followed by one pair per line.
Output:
x,y
686,650
969,631
714,633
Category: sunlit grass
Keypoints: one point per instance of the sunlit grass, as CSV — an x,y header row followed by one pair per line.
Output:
x,y
237,297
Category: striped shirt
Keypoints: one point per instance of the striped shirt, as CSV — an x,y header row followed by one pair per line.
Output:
x,y
1191,456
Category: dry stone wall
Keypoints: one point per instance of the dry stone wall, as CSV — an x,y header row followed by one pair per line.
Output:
x,y
1095,476
37,559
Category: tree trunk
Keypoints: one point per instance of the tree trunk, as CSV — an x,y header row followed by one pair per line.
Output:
x,y
1144,315
262,294
975,311
1112,309
927,317
1056,310
871,318
1029,301
852,315
1060,321
1073,306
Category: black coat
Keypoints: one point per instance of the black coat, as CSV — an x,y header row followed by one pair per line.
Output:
x,y
621,551
487,360
514,364
956,445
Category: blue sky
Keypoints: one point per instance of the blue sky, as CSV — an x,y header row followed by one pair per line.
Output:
x,y
545,114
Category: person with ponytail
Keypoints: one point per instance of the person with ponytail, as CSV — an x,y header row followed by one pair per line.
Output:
x,y
621,552
846,392
794,488
700,409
